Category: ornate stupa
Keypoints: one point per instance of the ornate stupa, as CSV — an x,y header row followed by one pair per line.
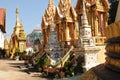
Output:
x,y
86,42
85,30
97,14
18,37
110,70
53,47
92,18
47,20
65,20
56,54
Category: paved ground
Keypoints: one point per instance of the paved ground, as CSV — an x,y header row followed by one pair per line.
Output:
x,y
13,70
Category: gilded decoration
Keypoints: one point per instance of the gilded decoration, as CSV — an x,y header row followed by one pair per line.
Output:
x,y
18,36
64,7
96,11
65,20
47,20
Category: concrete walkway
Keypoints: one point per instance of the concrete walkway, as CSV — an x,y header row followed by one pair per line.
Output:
x,y
12,70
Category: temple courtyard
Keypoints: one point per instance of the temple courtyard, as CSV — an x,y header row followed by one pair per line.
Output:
x,y
15,70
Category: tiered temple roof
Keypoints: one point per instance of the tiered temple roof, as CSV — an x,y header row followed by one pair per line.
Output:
x,y
47,20
49,13
66,10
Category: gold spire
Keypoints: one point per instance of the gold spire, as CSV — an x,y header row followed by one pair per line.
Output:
x,y
51,2
49,12
17,18
17,11
64,2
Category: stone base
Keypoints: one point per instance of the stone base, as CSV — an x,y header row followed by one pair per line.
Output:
x,y
91,57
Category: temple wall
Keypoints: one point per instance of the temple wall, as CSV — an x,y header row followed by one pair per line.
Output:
x,y
101,54
1,39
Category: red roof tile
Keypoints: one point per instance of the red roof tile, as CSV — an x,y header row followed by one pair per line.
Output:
x,y
3,19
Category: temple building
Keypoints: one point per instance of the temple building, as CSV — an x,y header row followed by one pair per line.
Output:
x,y
97,14
33,39
18,37
82,27
2,26
118,13
66,20
47,20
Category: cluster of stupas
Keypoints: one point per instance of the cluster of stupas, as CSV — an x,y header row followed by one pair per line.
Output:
x,y
82,27
68,20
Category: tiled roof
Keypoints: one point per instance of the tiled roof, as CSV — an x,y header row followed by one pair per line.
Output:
x,y
3,19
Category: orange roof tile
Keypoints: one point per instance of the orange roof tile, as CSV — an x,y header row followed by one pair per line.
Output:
x,y
3,19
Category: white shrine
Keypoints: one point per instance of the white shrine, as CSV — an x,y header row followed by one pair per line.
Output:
x,y
87,43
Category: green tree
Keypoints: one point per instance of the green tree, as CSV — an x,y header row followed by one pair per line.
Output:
x,y
68,68
17,50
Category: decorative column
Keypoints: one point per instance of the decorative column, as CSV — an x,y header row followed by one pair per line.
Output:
x,y
96,27
87,44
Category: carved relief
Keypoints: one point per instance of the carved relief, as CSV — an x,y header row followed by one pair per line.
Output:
x,y
85,33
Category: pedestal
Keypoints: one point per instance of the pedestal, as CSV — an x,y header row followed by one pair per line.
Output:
x,y
91,57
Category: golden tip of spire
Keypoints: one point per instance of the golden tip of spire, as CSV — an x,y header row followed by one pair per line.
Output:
x,y
17,10
51,2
